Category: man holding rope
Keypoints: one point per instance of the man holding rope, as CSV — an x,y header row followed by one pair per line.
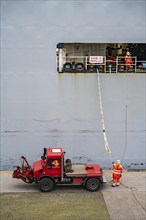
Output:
x,y
117,173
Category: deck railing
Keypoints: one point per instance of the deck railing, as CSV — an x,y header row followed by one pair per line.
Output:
x,y
117,65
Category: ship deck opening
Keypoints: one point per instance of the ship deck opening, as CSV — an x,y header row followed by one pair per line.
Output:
x,y
104,57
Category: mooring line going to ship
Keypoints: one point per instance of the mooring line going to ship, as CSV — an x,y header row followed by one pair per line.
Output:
x,y
107,148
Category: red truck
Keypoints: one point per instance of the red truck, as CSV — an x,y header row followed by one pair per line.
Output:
x,y
52,170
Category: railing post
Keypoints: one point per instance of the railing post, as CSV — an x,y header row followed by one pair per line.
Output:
x,y
117,64
86,62
105,65
135,63
60,60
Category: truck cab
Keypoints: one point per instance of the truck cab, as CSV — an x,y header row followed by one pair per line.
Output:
x,y
50,163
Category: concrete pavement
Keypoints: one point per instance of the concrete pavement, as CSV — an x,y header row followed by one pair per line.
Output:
x,y
126,202
8,184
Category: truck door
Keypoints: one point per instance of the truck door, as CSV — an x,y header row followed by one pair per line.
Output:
x,y
54,167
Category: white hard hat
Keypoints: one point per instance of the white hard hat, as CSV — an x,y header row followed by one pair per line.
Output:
x,y
118,161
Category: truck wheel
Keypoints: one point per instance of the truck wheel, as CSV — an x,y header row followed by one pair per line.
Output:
x,y
46,185
92,184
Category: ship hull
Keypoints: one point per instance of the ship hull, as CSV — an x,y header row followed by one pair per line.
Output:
x,y
41,108
65,112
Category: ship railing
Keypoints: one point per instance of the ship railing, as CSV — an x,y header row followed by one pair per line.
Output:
x,y
136,66
141,66
82,64
108,65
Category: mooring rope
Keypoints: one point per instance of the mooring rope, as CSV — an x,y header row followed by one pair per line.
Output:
x,y
107,148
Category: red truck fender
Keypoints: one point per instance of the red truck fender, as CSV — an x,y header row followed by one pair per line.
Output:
x,y
45,176
99,178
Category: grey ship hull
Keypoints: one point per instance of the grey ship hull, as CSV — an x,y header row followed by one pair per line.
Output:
x,y
65,112
40,108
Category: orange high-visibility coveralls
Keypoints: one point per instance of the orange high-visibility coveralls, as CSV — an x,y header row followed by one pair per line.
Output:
x,y
128,61
56,163
117,173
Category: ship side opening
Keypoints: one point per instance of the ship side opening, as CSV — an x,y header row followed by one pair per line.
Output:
x,y
102,57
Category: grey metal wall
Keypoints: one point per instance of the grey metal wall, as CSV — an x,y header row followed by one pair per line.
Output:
x,y
40,108
31,29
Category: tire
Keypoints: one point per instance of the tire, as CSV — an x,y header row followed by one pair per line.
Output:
x,y
68,161
46,185
79,67
67,67
92,184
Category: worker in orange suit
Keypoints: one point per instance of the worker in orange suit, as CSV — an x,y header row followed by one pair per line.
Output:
x,y
55,163
128,60
117,173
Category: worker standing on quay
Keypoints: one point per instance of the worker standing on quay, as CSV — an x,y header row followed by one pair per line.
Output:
x,y
128,60
117,173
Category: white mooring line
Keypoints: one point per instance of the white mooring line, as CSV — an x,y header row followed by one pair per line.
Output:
x,y
107,148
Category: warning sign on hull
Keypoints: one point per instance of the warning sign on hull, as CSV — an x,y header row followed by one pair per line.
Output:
x,y
96,59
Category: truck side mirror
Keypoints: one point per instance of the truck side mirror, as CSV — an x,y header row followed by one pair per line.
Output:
x,y
43,157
